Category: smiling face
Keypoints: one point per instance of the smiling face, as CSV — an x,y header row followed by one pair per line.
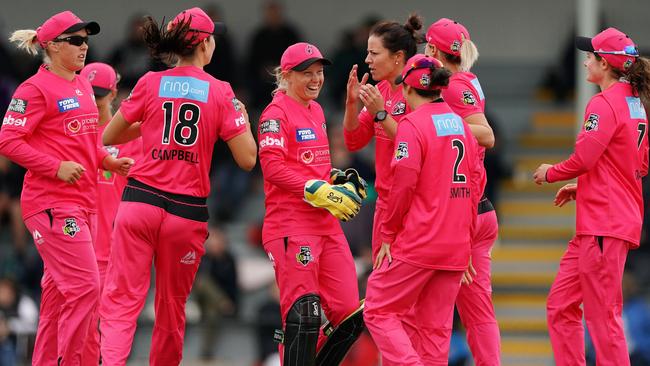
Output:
x,y
66,55
305,85
383,64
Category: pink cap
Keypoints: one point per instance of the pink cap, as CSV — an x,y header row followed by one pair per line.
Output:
x,y
613,45
63,22
417,72
300,56
447,35
102,77
201,25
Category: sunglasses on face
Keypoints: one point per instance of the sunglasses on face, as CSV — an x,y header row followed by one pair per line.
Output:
x,y
73,40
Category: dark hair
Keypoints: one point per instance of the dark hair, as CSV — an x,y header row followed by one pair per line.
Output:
x,y
167,45
397,37
639,77
439,77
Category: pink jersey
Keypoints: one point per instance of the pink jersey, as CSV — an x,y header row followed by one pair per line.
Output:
x,y
610,157
431,208
51,119
355,140
183,111
293,149
465,97
109,193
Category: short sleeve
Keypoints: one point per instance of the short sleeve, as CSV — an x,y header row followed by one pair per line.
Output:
x,y
233,122
133,107
408,149
599,122
462,98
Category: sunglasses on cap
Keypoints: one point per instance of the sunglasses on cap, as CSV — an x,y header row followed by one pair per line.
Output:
x,y
627,51
73,40
421,64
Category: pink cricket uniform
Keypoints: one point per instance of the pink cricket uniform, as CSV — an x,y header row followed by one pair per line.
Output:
x,y
610,157
306,244
109,194
436,159
465,97
49,120
395,104
163,213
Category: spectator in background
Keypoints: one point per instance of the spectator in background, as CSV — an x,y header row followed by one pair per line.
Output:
x,y
131,58
7,345
222,65
20,315
216,289
269,41
636,317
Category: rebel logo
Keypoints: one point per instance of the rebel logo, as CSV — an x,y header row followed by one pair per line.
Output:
x,y
270,141
10,120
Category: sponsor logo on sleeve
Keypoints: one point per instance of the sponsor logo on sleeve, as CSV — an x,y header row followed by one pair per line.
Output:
x,y
270,126
67,104
591,124
314,155
80,125
636,108
448,124
239,121
400,108
304,256
479,89
269,141
183,87
12,121
402,150
71,228
18,105
468,97
235,104
305,134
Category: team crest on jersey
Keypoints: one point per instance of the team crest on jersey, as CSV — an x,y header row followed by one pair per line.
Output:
x,y
270,126
235,103
591,124
468,97
402,151
304,256
400,108
18,105
455,46
71,228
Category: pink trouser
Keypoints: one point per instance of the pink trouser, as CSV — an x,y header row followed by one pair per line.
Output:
x,y
90,354
396,289
474,301
70,285
376,231
321,265
144,233
591,272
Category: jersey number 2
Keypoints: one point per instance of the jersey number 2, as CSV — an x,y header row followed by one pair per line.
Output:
x,y
185,130
460,154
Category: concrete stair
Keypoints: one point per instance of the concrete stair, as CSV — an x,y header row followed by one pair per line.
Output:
x,y
532,238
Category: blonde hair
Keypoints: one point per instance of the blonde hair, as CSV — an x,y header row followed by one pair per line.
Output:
x,y
468,54
281,83
25,39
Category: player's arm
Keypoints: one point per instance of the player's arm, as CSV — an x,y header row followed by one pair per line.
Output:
x,y
481,129
235,129
120,131
358,127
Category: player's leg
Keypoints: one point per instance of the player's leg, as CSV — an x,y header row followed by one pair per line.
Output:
x,y
602,262
435,308
392,290
65,244
376,231
178,255
340,300
296,263
127,278
90,355
563,312
474,301
46,346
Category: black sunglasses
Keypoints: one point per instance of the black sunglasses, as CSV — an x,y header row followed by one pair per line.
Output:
x,y
73,40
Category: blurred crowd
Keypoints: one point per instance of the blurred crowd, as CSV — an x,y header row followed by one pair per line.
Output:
x,y
217,290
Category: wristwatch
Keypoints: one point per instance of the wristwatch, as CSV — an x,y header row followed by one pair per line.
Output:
x,y
380,116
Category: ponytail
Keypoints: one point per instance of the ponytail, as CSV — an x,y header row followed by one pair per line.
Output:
x,y
468,54
639,77
168,43
25,39
438,79
400,37
281,84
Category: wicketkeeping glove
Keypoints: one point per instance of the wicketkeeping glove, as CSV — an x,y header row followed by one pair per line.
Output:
x,y
340,200
337,176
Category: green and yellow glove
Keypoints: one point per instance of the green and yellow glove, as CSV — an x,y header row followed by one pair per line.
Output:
x,y
340,200
350,175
